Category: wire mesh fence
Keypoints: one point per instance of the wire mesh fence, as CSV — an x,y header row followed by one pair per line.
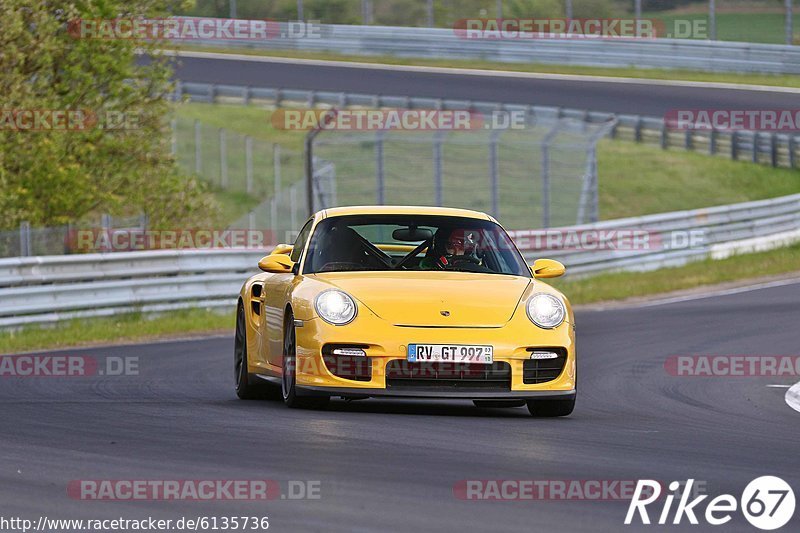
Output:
x,y
57,240
231,161
540,176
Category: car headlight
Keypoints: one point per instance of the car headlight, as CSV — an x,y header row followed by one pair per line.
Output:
x,y
546,311
335,307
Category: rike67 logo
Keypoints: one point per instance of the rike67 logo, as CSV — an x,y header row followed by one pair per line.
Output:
x,y
767,503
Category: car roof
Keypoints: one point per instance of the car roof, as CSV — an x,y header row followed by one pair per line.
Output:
x,y
402,210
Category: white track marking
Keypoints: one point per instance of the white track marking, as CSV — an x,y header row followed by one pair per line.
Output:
x,y
481,72
700,296
779,386
793,397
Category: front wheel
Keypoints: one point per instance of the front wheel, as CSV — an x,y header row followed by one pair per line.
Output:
x,y
248,387
551,408
289,377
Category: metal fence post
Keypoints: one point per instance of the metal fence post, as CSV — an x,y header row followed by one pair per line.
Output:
x,y
712,142
223,159
494,171
546,175
734,146
293,206
25,239
789,27
174,138
276,167
429,12
437,168
712,20
248,163
773,149
198,155
380,191
755,146
309,171
273,216
792,149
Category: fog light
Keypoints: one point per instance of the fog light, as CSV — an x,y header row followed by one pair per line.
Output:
x,y
352,352
544,355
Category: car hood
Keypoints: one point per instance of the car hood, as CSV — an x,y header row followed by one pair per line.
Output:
x,y
434,299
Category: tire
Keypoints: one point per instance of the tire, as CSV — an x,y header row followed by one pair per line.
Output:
x,y
551,408
289,376
498,404
248,387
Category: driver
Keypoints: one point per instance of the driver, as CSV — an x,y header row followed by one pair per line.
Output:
x,y
458,246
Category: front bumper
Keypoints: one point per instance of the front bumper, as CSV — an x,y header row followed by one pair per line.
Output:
x,y
437,393
384,342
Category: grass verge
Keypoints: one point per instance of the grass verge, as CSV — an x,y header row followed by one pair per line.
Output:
x,y
622,285
116,330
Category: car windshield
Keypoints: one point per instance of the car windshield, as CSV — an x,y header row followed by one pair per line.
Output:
x,y
412,242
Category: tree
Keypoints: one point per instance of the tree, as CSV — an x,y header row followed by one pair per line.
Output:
x,y
58,175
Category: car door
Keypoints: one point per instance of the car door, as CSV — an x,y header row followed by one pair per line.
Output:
x,y
277,292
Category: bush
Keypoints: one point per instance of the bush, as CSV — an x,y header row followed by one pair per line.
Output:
x,y
55,176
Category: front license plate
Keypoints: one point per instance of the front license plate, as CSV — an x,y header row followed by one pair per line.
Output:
x,y
450,353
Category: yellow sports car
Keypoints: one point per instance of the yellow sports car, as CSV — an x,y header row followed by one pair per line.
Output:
x,y
405,302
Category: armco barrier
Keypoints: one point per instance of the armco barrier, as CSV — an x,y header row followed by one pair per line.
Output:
x,y
671,239
442,43
53,288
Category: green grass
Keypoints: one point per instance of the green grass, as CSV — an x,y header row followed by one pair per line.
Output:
x,y
754,27
635,179
618,286
116,330
629,72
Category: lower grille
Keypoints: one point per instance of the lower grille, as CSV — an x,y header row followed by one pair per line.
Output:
x,y
462,376
544,370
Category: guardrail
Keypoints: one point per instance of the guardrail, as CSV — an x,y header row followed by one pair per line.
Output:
x,y
776,149
441,43
667,239
53,288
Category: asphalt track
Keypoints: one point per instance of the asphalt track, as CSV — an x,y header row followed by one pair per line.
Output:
x,y
391,465
633,98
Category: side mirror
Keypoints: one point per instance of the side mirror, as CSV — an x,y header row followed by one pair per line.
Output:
x,y
276,264
547,268
282,249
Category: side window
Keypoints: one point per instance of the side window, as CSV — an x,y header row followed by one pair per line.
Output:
x,y
302,237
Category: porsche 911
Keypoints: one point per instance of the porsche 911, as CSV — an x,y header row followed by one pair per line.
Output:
x,y
405,302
